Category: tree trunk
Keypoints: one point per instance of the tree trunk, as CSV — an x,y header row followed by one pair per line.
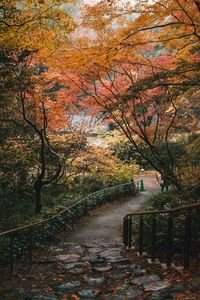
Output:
x,y
38,191
176,183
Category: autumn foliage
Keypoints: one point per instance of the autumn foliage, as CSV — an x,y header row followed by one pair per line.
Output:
x,y
140,69
137,67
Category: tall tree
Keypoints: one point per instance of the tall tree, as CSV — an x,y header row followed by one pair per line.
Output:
x,y
30,32
142,64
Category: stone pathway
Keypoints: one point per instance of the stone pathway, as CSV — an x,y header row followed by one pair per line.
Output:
x,y
93,264
105,225
92,271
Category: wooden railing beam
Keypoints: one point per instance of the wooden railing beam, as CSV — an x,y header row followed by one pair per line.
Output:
x,y
153,239
169,240
141,231
187,241
166,211
170,225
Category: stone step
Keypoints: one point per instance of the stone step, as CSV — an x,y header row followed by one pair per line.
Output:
x,y
93,271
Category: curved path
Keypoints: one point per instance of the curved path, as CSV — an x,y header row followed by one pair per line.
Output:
x,y
93,264
105,224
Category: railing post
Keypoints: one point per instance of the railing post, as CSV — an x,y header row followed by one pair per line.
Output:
x,y
141,229
187,241
11,252
86,205
129,232
43,231
30,245
118,190
169,240
153,240
65,220
125,231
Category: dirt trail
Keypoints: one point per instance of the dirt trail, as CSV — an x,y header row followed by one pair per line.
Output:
x,y
105,225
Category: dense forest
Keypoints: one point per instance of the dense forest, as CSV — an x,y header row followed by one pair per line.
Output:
x,y
99,149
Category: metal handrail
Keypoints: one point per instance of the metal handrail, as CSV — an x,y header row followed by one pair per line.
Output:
x,y
28,230
128,231
165,211
62,211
